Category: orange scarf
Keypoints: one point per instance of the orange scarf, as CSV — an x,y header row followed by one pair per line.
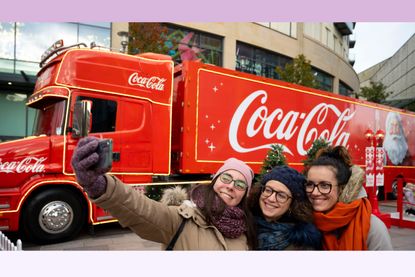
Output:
x,y
346,226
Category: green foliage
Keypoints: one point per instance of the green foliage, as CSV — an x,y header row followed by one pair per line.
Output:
x,y
275,157
376,92
298,72
147,37
311,153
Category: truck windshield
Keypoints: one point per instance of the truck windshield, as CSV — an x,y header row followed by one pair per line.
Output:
x,y
49,120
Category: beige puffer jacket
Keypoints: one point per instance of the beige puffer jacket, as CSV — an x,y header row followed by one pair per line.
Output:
x,y
155,221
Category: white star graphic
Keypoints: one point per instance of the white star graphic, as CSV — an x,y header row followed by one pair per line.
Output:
x,y
212,127
211,147
215,89
207,141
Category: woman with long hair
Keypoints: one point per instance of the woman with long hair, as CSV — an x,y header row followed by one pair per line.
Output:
x,y
283,214
216,218
346,225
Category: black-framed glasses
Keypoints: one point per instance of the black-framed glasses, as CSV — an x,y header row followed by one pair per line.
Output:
x,y
280,196
238,184
323,187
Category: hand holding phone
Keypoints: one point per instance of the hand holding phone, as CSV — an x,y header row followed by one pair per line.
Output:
x,y
104,150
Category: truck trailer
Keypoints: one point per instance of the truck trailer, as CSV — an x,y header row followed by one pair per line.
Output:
x,y
170,124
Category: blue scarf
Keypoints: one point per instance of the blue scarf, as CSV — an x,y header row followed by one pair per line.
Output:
x,y
279,235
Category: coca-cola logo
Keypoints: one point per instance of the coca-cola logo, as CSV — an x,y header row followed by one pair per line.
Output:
x,y
279,125
27,165
154,83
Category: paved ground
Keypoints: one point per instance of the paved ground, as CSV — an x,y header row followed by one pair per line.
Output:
x,y
114,237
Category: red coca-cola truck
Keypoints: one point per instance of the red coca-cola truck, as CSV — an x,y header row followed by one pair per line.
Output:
x,y
169,124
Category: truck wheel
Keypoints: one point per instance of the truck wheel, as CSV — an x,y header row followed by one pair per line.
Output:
x,y
53,215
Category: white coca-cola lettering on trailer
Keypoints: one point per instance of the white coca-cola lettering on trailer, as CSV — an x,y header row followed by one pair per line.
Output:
x,y
283,125
27,165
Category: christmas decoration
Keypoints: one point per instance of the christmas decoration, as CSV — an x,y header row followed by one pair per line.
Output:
x,y
275,157
311,153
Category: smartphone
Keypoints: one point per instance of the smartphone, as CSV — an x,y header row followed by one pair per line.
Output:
x,y
104,150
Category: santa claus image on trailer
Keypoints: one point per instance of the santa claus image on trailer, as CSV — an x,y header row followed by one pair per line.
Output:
x,y
395,143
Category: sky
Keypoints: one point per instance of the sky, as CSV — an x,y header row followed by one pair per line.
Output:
x,y
377,41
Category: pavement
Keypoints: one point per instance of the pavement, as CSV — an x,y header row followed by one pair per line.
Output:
x,y
114,237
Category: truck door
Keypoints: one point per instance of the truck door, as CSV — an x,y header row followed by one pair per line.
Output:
x,y
103,124
125,122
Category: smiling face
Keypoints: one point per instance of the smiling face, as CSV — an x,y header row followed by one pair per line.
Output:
x,y
271,209
227,192
323,202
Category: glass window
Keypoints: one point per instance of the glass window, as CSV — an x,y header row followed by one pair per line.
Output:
x,y
26,42
103,114
7,40
7,66
30,68
324,80
100,36
258,61
13,114
98,24
33,39
345,89
211,46
49,121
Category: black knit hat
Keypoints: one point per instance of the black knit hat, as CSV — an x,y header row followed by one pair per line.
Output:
x,y
290,177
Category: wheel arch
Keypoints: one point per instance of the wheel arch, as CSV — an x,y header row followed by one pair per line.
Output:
x,y
42,186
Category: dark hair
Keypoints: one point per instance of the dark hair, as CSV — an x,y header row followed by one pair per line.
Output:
x,y
300,210
338,158
209,195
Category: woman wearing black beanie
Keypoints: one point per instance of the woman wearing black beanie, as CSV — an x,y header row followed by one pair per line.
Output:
x,y
283,213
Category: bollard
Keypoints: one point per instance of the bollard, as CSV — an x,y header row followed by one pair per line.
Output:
x,y
7,245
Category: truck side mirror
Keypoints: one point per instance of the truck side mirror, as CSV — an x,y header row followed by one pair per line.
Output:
x,y
81,120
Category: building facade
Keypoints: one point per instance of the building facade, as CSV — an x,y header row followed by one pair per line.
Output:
x,y
253,47
258,47
397,73
21,47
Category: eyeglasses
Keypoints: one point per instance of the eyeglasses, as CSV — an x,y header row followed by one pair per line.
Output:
x,y
280,196
323,187
238,184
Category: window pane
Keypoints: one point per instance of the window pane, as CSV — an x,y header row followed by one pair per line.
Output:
x,y
345,89
100,36
7,40
6,66
13,112
99,24
324,80
34,38
103,114
258,61
30,68
211,46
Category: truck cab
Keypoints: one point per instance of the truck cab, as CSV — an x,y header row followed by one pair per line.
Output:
x,y
130,102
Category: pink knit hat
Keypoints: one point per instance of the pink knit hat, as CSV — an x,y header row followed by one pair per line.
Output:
x,y
240,166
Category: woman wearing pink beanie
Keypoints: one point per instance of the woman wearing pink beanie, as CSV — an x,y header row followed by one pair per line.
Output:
x,y
216,218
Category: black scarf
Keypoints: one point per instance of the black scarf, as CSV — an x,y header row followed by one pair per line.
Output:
x,y
279,235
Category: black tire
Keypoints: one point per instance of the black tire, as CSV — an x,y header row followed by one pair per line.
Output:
x,y
53,215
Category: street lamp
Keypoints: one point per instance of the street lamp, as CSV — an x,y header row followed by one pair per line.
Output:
x,y
374,162
124,40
